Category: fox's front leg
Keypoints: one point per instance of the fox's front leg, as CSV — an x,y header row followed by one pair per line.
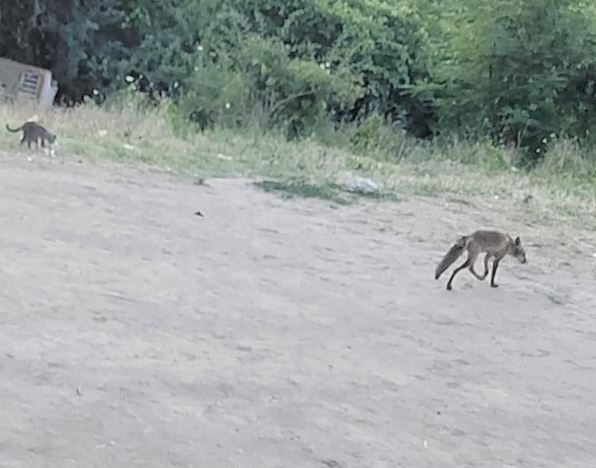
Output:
x,y
479,277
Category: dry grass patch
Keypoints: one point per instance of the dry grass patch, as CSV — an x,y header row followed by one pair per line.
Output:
x,y
561,190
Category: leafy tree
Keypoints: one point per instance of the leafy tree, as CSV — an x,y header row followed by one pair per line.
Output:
x,y
81,42
519,69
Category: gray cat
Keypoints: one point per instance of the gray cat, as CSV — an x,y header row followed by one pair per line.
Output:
x,y
33,133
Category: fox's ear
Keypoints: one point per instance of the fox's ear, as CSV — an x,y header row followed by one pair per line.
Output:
x,y
517,241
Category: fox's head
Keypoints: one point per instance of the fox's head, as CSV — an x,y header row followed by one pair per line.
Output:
x,y
518,251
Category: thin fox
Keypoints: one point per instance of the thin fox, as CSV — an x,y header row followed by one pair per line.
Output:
x,y
495,244
33,133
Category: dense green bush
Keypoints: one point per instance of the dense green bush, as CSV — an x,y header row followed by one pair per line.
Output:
x,y
260,83
301,62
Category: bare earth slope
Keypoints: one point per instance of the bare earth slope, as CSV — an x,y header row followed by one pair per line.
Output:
x,y
270,333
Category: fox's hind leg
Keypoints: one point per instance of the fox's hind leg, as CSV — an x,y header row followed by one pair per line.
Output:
x,y
456,271
492,276
470,261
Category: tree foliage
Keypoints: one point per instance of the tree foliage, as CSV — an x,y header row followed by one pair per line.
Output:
x,y
519,71
81,42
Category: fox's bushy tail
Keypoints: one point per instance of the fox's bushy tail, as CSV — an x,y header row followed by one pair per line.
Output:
x,y
13,130
451,256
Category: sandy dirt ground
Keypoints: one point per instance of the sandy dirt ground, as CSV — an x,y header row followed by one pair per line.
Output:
x,y
273,333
